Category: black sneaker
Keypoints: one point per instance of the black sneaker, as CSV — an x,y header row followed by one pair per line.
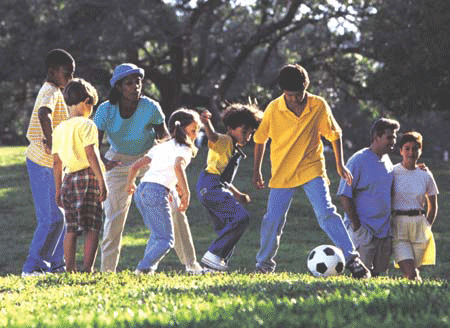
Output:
x,y
358,269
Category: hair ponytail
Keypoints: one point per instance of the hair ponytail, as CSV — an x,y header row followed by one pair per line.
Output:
x,y
177,123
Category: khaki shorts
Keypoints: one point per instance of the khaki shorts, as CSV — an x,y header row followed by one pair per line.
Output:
x,y
413,240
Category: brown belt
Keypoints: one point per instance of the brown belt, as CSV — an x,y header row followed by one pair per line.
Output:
x,y
408,212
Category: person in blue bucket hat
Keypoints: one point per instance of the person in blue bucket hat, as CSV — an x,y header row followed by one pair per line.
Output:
x,y
131,122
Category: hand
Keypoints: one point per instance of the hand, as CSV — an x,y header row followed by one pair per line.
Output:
x,y
184,202
47,146
356,226
131,188
423,167
103,192
244,198
258,181
110,164
205,116
345,174
58,198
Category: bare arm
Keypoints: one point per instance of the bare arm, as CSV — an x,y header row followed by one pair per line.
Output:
x,y
133,172
94,162
44,115
240,196
57,174
350,208
342,170
432,208
211,134
258,152
183,186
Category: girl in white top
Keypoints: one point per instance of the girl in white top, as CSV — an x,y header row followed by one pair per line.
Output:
x,y
414,209
168,162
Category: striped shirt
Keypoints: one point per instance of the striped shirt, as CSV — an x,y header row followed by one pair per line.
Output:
x,y
51,97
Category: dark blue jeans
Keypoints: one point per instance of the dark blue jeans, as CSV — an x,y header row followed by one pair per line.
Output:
x,y
228,216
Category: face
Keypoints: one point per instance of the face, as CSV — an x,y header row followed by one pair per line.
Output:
x,y
242,134
62,75
387,141
294,97
130,87
192,130
410,152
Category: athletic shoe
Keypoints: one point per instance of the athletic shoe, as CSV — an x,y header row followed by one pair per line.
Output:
x,y
194,269
34,273
262,270
358,269
214,262
138,272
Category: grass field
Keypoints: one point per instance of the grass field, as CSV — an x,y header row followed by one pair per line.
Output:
x,y
289,298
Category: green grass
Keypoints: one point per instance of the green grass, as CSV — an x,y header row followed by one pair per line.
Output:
x,y
289,298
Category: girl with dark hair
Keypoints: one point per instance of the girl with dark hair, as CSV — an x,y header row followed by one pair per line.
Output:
x,y
167,168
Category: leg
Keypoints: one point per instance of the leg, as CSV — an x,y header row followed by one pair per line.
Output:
x,y
117,205
408,269
90,249
184,244
330,221
70,245
152,201
272,227
46,246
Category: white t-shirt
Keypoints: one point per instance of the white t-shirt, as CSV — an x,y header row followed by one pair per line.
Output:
x,y
410,188
162,166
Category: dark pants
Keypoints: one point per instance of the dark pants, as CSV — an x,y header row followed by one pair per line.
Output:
x,y
228,216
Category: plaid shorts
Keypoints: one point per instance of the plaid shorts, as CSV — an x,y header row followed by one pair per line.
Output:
x,y
80,192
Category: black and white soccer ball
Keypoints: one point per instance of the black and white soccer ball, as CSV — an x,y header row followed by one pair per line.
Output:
x,y
325,261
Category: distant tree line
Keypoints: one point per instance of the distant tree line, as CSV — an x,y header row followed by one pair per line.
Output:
x,y
367,58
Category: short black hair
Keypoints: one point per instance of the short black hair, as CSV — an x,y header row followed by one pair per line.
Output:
x,y
381,125
293,77
236,115
59,57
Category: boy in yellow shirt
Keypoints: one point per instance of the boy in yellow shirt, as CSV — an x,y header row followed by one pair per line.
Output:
x,y
46,249
295,123
83,189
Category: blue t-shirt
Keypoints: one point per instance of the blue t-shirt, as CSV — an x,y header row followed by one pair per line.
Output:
x,y
370,190
130,136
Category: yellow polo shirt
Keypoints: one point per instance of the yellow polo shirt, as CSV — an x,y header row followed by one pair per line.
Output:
x,y
296,149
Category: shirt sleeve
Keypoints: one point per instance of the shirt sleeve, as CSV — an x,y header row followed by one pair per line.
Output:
x,y
100,116
158,115
432,188
89,134
262,133
329,128
49,99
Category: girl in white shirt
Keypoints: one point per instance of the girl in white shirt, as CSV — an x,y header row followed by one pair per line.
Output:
x,y
414,209
168,162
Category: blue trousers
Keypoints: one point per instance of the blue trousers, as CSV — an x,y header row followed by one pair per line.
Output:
x,y
46,251
272,225
152,200
228,216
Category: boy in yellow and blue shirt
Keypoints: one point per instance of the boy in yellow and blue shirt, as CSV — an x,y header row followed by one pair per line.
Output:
x,y
295,123
214,187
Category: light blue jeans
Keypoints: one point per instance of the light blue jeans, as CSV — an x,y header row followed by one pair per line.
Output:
x,y
278,205
46,251
152,200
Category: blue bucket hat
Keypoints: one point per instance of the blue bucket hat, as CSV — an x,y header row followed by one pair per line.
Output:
x,y
124,70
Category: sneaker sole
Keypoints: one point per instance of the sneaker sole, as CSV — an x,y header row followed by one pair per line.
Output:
x,y
214,265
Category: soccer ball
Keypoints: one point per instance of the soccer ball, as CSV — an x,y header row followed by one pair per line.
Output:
x,y
325,261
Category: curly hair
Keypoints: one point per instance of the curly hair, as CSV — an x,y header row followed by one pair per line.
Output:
x,y
236,115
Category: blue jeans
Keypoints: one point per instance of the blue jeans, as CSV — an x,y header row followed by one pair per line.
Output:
x,y
46,251
228,216
272,225
152,200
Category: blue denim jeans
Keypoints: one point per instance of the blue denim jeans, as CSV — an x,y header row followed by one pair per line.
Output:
x,y
229,218
272,225
152,200
46,251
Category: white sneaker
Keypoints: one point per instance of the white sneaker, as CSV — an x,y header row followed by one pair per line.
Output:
x,y
35,273
194,268
138,272
215,262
